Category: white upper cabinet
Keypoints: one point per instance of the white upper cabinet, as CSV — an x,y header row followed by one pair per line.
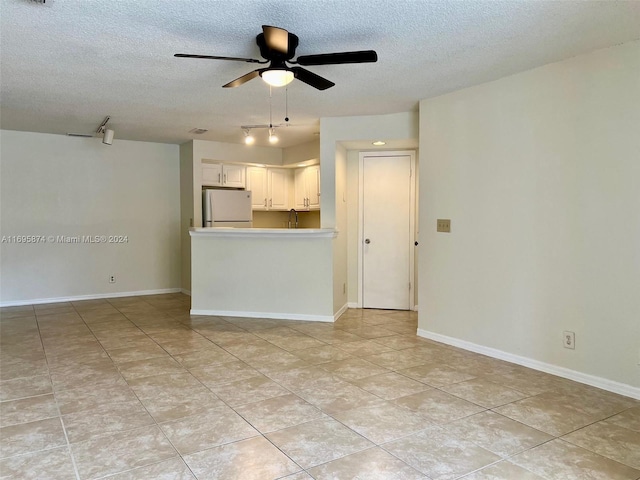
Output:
x,y
307,188
233,176
269,187
221,175
257,183
278,186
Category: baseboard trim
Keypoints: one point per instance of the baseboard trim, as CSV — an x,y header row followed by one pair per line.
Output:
x,y
185,291
270,315
415,307
599,382
344,308
353,305
95,296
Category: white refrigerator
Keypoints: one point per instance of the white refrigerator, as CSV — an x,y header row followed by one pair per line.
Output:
x,y
226,208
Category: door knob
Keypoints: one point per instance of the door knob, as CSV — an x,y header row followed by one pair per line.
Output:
x,y
367,241
415,243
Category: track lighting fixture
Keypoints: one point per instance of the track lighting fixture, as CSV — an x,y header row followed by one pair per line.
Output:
x,y
107,133
107,138
248,138
273,138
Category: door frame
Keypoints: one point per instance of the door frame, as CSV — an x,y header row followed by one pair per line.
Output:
x,y
412,219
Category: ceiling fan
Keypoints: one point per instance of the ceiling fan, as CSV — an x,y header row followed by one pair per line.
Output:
x,y
278,47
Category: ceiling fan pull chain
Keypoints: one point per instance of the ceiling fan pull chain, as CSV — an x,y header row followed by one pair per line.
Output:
x,y
270,108
286,104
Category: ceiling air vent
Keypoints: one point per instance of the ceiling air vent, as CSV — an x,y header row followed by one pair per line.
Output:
x,y
198,131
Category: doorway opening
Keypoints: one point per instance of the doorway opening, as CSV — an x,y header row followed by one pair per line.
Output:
x,y
386,233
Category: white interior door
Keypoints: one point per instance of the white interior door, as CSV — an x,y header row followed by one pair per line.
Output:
x,y
387,237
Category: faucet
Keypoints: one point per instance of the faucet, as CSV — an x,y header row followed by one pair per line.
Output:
x,y
293,210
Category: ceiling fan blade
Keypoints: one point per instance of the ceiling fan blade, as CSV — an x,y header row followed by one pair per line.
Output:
x,y
214,57
311,78
362,56
243,79
276,38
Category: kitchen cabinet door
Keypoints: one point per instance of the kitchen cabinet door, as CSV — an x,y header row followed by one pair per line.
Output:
x,y
233,176
212,174
300,200
278,186
219,175
313,187
307,188
257,183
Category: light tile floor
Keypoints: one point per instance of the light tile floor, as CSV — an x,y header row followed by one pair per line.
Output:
x,y
135,388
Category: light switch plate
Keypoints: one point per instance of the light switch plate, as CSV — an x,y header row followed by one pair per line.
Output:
x,y
444,225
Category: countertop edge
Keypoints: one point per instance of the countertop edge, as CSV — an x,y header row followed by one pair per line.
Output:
x,y
263,232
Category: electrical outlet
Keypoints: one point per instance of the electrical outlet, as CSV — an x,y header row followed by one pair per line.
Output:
x,y
444,225
344,288
569,340
191,222
112,279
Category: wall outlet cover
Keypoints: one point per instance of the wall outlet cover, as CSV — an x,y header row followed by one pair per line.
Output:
x,y
569,339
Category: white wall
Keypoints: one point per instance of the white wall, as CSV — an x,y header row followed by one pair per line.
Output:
x,y
301,153
540,175
353,200
58,185
187,215
340,244
279,274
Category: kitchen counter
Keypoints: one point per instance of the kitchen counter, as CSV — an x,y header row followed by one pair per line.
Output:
x,y
263,232
263,272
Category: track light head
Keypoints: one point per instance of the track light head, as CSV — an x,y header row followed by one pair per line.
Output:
x,y
248,138
107,138
272,136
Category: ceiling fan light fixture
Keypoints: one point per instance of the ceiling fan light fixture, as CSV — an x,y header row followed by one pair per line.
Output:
x,y
278,77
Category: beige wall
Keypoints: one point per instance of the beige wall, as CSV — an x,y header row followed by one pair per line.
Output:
x,y
340,243
279,275
187,214
301,153
58,185
539,174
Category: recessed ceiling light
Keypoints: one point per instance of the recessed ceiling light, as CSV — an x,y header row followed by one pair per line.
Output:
x,y
379,143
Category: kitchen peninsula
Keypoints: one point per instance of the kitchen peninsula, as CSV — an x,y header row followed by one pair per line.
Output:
x,y
262,273
268,271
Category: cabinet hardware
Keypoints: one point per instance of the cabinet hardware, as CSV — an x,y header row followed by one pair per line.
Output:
x,y
219,179
270,202
225,178
265,203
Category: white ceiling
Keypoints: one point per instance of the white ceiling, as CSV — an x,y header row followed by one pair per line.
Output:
x,y
66,64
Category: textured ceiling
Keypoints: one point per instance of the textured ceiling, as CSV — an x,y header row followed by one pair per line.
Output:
x,y
66,64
